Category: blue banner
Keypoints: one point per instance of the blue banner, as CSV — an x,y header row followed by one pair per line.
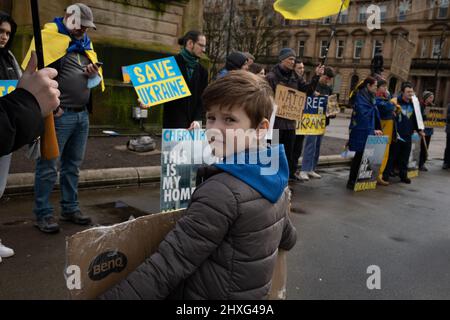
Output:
x,y
7,86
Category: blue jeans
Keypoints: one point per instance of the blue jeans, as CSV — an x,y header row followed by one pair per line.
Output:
x,y
311,153
72,130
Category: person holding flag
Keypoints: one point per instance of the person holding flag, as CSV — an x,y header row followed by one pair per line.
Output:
x,y
69,50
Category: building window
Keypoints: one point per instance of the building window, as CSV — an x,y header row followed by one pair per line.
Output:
x,y
284,44
443,9
402,14
323,48
424,49
344,17
359,45
436,48
301,48
340,46
303,22
284,22
254,20
268,53
362,14
377,45
327,20
383,13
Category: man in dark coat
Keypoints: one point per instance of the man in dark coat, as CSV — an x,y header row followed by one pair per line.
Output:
x,y
188,112
406,123
283,73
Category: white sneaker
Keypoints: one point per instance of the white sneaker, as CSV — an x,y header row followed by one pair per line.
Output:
x,y
303,176
314,175
5,252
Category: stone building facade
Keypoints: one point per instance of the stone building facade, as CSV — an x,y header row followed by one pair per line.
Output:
x,y
422,22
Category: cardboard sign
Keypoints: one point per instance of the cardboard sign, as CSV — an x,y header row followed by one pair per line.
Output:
x,y
436,117
371,163
106,255
99,258
333,105
157,81
418,112
290,103
182,152
7,86
402,58
414,157
314,117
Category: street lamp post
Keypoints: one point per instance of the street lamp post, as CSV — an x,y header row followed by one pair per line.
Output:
x,y
441,43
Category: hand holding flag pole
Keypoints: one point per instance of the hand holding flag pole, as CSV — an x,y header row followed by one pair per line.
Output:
x,y
49,142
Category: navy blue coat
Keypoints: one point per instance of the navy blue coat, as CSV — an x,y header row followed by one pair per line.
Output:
x,y
365,120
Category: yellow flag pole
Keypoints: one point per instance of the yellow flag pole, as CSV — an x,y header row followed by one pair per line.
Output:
x,y
49,142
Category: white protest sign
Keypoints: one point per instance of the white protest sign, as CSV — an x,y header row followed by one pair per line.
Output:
x,y
418,112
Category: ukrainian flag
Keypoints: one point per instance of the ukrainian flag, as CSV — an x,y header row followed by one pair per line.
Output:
x,y
309,9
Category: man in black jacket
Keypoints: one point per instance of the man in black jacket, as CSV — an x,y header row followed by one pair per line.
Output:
x,y
283,73
188,112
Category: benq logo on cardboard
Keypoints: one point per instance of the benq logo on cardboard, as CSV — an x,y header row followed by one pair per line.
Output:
x,y
107,263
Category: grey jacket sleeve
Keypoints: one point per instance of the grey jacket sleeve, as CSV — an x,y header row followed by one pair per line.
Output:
x,y
289,237
195,237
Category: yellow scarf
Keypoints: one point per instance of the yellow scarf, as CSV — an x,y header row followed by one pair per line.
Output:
x,y
55,47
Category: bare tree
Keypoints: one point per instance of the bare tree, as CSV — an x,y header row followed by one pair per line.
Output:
x,y
215,30
251,28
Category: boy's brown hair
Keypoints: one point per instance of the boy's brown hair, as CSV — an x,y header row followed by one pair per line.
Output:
x,y
241,89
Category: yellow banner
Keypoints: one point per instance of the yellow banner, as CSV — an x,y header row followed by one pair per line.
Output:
x,y
312,125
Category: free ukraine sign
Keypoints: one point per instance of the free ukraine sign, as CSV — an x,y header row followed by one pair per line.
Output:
x,y
7,86
314,117
158,81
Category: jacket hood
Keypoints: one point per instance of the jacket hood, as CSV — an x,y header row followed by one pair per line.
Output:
x,y
270,183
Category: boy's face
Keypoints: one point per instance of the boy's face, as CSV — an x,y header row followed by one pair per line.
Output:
x,y
229,131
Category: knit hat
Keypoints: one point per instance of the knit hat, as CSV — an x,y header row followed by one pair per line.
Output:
x,y
427,94
381,82
235,61
286,53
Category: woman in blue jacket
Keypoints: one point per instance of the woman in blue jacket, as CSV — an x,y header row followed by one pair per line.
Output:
x,y
365,121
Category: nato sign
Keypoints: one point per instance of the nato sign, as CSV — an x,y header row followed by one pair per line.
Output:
x,y
7,86
157,81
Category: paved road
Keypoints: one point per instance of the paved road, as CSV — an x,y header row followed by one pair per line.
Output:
x,y
403,229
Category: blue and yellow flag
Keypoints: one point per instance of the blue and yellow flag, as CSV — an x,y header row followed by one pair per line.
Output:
x,y
56,45
309,9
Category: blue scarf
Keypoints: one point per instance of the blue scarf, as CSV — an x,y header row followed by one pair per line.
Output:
x,y
78,46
